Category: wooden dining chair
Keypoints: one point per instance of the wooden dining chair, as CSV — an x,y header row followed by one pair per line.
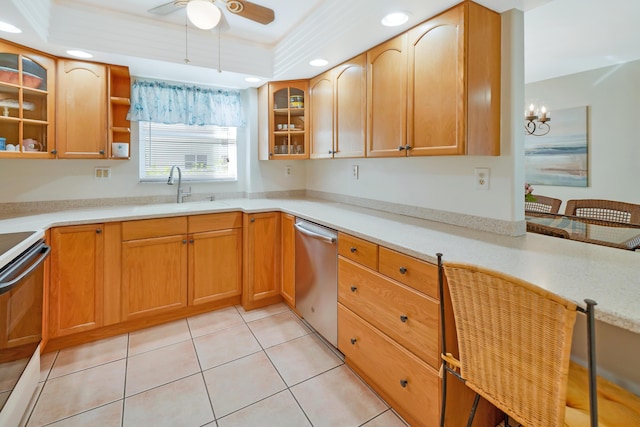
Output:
x,y
514,344
543,204
607,210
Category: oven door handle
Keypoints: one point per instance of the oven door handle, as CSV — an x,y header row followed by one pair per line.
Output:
x,y
42,249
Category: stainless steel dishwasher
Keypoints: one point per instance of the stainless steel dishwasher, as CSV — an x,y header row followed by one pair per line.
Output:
x,y
317,278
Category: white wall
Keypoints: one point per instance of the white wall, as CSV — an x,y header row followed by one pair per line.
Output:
x,y
612,95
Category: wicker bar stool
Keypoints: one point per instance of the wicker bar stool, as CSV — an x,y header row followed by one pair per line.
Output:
x,y
514,343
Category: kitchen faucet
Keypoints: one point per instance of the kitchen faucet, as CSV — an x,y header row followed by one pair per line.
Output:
x,y
181,193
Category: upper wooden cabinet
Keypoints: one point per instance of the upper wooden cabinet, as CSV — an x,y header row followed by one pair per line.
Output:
x,y
27,102
92,109
337,100
387,98
283,129
82,110
454,83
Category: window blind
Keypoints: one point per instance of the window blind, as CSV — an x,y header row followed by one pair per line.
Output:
x,y
203,153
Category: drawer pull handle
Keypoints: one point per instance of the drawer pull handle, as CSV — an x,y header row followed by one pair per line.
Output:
x,y
404,383
403,270
353,249
354,288
403,318
353,341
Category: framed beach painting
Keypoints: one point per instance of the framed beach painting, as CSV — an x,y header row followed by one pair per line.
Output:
x,y
559,157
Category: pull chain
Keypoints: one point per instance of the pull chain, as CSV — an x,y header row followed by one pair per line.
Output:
x,y
186,40
219,44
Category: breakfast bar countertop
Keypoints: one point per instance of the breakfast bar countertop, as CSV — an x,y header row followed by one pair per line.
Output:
x,y
571,269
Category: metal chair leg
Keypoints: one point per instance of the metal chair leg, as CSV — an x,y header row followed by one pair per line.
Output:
x,y
474,407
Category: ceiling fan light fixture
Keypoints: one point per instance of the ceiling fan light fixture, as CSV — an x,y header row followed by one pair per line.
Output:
x,y
203,14
395,19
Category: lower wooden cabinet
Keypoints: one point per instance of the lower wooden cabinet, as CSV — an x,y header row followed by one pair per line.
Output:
x,y
76,279
288,290
406,382
262,269
215,257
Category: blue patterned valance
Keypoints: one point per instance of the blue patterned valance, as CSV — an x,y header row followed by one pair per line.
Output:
x,y
161,102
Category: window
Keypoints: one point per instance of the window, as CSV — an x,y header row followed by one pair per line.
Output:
x,y
203,153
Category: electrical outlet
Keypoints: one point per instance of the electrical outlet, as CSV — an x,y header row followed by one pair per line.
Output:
x,y
482,178
102,173
287,171
355,171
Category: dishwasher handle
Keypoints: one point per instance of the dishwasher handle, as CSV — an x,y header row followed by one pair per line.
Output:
x,y
23,266
325,238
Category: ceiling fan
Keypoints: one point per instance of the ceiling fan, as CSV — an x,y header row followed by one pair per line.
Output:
x,y
205,15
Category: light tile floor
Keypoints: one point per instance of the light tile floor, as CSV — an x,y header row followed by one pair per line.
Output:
x,y
224,368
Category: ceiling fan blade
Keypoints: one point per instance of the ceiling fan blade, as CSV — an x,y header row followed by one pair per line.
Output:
x,y
255,12
167,8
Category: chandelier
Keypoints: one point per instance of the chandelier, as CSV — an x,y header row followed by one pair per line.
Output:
x,y
535,124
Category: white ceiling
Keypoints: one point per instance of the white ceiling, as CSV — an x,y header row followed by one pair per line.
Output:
x,y
561,36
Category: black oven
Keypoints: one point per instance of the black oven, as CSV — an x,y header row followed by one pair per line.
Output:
x,y
21,298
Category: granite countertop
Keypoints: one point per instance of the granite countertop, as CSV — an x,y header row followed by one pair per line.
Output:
x,y
568,268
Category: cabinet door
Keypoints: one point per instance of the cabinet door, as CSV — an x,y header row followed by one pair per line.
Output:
x,y
154,276
77,275
436,108
288,120
321,116
288,259
27,102
82,110
261,260
387,98
215,265
350,108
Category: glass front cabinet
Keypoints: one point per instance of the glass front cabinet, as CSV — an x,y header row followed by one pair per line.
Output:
x,y
27,97
287,120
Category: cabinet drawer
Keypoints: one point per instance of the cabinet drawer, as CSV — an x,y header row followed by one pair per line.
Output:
x,y
146,228
387,365
407,316
413,272
213,222
358,250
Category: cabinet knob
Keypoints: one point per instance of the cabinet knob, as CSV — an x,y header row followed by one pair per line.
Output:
x,y
407,147
403,270
403,318
330,151
400,147
98,230
184,241
101,151
191,241
252,220
354,288
54,151
353,341
404,383
270,154
353,249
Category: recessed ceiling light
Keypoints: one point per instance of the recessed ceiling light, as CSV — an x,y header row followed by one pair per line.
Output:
x,y
79,53
319,62
394,19
8,28
252,79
